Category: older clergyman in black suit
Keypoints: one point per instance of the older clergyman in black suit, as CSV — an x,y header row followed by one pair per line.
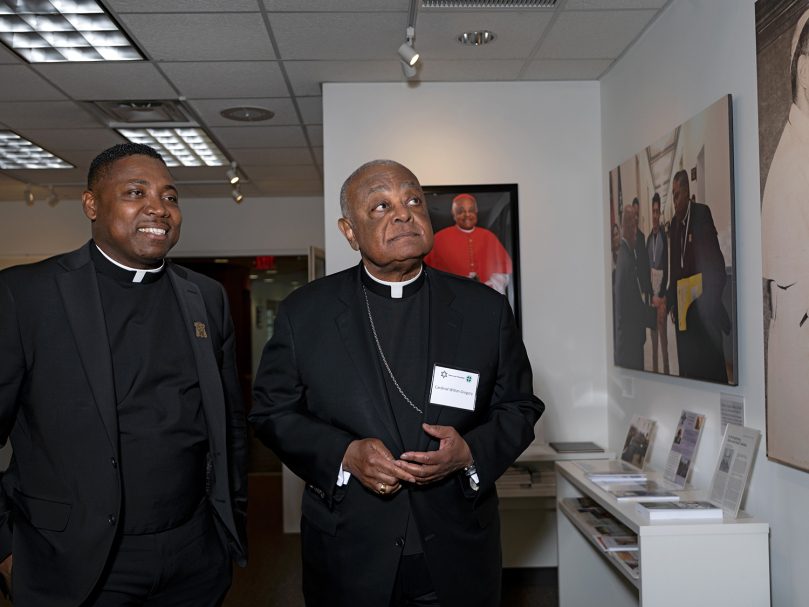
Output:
x,y
695,253
399,394
119,391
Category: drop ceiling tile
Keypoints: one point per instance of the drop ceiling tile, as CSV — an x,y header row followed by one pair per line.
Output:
x,y
468,71
306,76
205,37
338,35
62,142
180,6
612,4
315,133
566,69
311,109
108,80
6,56
45,114
260,136
593,34
209,109
21,83
331,5
273,156
517,33
227,79
204,173
74,177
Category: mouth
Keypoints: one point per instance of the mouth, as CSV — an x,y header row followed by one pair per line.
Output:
x,y
405,235
153,231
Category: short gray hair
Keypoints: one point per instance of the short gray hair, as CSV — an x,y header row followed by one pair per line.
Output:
x,y
371,164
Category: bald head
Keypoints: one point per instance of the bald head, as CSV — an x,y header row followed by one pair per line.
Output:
x,y
465,211
345,203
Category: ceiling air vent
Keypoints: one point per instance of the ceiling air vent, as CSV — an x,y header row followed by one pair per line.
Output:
x,y
143,112
466,4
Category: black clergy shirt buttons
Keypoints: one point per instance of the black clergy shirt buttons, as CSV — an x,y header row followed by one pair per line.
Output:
x,y
399,542
114,462
112,519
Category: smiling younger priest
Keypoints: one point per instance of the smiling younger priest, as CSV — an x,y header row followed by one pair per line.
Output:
x,y
119,392
399,394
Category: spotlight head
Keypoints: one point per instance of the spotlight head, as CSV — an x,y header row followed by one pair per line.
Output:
x,y
237,196
232,173
53,197
408,70
408,54
28,196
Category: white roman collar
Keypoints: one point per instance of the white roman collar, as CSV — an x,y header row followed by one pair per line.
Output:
x,y
396,288
139,273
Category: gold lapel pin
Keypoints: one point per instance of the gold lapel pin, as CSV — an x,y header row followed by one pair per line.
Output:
x,y
199,329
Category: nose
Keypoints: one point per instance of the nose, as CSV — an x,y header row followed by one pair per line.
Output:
x,y
157,206
403,212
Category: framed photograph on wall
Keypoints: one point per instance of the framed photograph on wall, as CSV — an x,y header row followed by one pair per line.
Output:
x,y
477,235
782,47
671,227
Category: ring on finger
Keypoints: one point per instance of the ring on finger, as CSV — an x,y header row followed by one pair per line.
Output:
x,y
383,488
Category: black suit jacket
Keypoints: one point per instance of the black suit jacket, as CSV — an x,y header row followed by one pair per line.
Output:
x,y
320,386
631,314
699,348
61,496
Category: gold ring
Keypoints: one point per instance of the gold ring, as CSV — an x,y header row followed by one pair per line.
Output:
x,y
383,488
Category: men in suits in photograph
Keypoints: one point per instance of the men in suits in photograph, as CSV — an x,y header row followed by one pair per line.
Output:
x,y
632,315
657,250
399,394
695,255
119,392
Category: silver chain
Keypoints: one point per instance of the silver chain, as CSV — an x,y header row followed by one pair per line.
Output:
x,y
382,354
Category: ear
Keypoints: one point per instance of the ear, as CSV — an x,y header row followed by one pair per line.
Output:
x,y
803,71
88,205
345,227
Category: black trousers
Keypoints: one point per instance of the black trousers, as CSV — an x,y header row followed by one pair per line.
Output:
x,y
183,567
414,586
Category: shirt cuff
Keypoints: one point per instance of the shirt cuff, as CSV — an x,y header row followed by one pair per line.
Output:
x,y
343,476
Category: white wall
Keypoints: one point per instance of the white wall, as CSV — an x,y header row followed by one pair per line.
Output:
x,y
210,227
697,51
546,137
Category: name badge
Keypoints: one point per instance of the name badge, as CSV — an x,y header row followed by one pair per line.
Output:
x,y
454,388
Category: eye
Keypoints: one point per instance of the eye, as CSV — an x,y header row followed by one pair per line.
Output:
x,y
382,206
414,201
171,198
134,192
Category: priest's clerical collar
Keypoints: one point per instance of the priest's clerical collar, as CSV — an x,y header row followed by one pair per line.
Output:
x,y
125,273
469,231
394,290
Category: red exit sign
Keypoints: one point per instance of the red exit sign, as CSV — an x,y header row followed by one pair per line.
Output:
x,y
265,262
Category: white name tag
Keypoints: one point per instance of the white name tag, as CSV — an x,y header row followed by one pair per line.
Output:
x,y
454,388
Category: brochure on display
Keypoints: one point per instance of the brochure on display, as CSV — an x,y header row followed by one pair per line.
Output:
x,y
683,448
611,471
682,510
638,491
638,438
628,561
618,543
736,456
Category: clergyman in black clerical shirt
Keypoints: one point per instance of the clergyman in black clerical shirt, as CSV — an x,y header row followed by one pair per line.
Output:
x,y
120,396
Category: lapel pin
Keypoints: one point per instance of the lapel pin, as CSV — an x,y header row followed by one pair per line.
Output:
x,y
199,329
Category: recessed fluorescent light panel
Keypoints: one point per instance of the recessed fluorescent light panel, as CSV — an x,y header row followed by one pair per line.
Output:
x,y
52,31
187,147
19,153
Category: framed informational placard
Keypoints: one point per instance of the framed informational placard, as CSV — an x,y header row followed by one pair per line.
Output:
x,y
477,235
673,253
782,41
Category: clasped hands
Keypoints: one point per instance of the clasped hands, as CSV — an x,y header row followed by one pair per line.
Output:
x,y
374,465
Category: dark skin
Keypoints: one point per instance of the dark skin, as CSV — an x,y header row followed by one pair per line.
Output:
x,y
388,223
136,221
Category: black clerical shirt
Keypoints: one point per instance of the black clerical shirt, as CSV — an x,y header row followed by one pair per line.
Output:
x,y
402,326
163,436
